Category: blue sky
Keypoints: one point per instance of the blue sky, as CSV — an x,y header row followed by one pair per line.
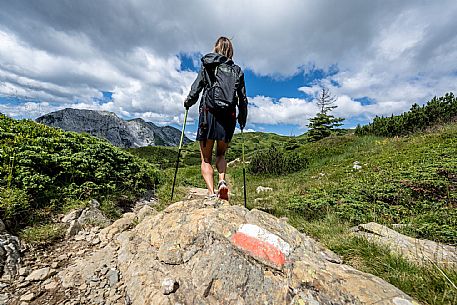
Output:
x,y
138,59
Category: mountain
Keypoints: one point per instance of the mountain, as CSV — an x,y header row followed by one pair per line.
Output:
x,y
107,125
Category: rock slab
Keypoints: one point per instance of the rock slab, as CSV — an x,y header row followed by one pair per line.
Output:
x,y
201,252
192,244
416,250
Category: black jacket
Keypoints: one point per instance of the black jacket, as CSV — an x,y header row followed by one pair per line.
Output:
x,y
210,62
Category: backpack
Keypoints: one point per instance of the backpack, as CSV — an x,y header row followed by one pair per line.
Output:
x,y
220,92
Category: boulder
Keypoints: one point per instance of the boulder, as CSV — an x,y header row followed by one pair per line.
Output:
x,y
416,250
195,253
10,256
73,215
192,253
93,216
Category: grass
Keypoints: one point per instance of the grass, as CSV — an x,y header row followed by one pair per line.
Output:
x,y
42,235
424,283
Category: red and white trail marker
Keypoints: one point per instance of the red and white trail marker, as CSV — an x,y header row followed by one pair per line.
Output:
x,y
261,244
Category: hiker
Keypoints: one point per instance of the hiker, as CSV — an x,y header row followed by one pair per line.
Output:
x,y
222,82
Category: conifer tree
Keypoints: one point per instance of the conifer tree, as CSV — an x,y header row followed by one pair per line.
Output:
x,y
323,124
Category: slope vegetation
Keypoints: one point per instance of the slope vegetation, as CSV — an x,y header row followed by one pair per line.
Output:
x,y
43,170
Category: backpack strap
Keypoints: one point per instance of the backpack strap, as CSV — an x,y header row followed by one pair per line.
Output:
x,y
205,74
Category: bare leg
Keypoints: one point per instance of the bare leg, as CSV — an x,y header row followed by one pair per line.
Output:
x,y
206,152
221,163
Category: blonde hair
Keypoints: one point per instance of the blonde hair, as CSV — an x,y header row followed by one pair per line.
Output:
x,y
224,47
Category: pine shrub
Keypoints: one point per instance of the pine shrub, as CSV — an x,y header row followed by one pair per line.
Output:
x,y
41,167
418,118
276,162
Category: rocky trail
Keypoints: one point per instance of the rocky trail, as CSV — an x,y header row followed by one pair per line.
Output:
x,y
195,251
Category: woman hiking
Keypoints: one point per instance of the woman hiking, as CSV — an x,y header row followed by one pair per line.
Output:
x,y
222,83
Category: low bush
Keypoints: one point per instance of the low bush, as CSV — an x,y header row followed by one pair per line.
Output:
x,y
276,162
41,168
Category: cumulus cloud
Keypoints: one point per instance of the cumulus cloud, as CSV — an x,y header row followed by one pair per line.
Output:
x,y
266,110
67,52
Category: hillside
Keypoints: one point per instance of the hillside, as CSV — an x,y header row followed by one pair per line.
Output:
x,y
402,180
107,125
45,170
165,157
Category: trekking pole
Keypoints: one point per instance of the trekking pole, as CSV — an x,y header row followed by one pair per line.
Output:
x,y
244,167
179,153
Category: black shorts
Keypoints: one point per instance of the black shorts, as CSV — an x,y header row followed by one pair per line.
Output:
x,y
217,127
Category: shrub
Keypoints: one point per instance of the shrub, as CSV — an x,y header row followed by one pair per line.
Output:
x,y
13,203
42,167
276,162
418,118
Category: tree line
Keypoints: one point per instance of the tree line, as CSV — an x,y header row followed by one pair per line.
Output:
x,y
437,111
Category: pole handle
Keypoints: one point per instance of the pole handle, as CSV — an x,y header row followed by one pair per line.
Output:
x,y
183,128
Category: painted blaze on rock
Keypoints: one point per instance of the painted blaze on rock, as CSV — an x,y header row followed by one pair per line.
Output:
x,y
261,244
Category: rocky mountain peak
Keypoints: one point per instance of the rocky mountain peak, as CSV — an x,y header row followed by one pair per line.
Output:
x,y
107,125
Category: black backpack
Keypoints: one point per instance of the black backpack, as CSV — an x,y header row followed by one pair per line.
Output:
x,y
220,91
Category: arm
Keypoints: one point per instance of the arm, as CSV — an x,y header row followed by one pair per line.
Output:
x,y
242,101
195,90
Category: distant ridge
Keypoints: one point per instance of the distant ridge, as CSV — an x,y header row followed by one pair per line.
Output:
x,y
107,125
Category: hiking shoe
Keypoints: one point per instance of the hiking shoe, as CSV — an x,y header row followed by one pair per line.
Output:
x,y
223,190
211,197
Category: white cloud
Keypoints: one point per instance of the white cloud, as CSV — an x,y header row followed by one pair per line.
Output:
x,y
265,110
66,52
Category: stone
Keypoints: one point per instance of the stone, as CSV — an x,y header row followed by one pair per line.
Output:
x,y
23,284
93,216
233,162
113,277
73,229
84,267
93,203
2,227
80,237
40,274
62,257
262,189
169,286
356,165
145,211
10,256
196,192
198,245
4,297
416,250
51,286
27,297
117,227
23,271
73,215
